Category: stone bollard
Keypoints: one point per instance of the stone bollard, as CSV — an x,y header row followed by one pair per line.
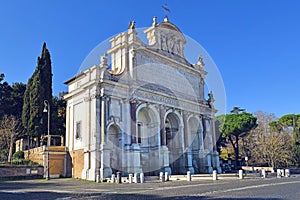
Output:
x,y
287,173
161,176
263,173
278,173
215,175
130,178
119,177
135,178
241,174
142,178
282,173
113,177
188,176
166,176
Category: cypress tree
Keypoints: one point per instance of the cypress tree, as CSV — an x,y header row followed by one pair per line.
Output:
x,y
38,89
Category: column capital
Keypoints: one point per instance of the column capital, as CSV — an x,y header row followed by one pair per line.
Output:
x,y
133,100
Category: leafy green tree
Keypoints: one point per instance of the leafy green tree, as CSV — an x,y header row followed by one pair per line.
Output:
x,y
11,102
38,89
59,116
234,126
11,98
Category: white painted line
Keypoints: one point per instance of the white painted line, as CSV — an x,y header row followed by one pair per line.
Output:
x,y
245,188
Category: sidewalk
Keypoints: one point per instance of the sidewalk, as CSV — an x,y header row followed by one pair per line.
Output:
x,y
78,189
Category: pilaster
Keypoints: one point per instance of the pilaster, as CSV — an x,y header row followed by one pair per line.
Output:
x,y
133,105
163,136
105,170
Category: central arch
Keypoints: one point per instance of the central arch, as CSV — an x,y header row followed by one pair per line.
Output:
x,y
148,139
195,142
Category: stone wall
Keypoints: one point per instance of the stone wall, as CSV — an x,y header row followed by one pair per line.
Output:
x,y
21,172
59,159
254,169
77,157
35,154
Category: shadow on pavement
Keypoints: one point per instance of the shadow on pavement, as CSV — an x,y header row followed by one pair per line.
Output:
x,y
104,196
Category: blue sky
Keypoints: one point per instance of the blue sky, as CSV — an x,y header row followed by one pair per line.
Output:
x,y
254,43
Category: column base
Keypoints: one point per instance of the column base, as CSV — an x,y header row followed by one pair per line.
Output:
x,y
210,170
84,174
105,172
191,169
134,158
164,160
219,170
167,169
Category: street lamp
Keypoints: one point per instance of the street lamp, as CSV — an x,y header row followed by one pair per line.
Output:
x,y
47,110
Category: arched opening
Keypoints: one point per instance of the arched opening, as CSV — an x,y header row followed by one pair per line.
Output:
x,y
148,139
114,141
175,143
195,141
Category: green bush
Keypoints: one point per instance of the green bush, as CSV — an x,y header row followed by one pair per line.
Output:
x,y
25,162
18,155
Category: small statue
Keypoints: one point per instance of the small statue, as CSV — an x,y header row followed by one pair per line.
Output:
x,y
154,21
131,25
103,60
166,19
200,62
211,99
164,43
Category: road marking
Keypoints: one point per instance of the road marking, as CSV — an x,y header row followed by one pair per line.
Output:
x,y
245,188
64,198
36,190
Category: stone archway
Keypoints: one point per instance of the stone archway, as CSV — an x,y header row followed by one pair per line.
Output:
x,y
114,142
148,139
173,129
195,142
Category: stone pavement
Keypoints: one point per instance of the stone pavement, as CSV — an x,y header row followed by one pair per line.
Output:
x,y
61,189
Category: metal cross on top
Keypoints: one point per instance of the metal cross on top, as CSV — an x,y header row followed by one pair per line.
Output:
x,y
166,8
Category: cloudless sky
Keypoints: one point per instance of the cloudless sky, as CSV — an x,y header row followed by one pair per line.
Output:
x,y
254,43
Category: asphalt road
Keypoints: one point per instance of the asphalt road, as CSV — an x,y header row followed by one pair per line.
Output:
x,y
65,189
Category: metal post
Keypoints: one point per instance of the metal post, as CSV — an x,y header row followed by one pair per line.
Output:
x,y
47,109
48,170
49,139
119,177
